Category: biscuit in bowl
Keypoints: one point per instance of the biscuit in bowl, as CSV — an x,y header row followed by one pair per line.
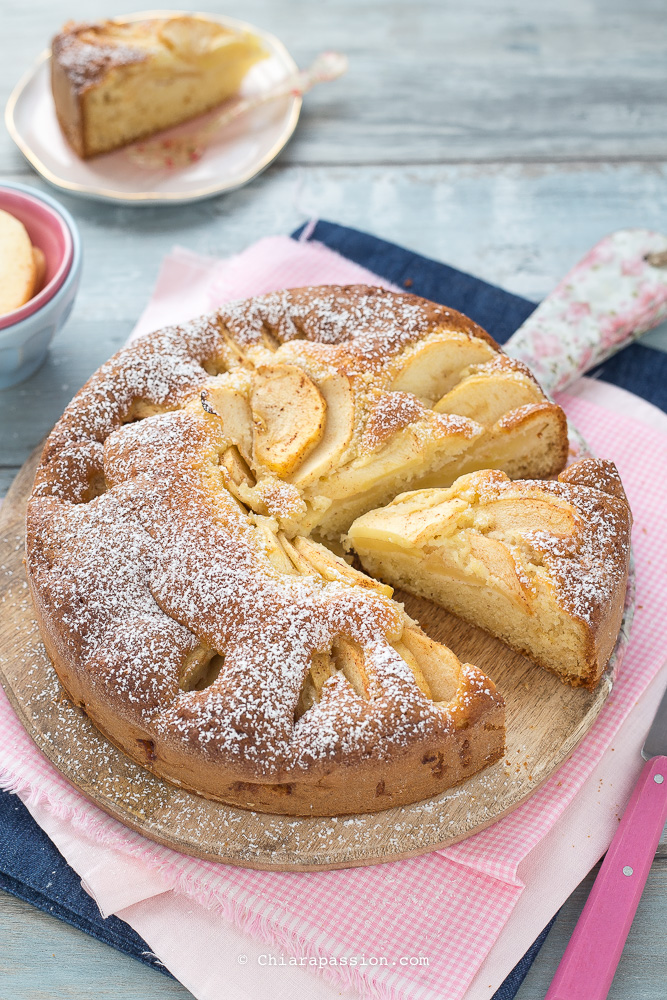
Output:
x,y
19,273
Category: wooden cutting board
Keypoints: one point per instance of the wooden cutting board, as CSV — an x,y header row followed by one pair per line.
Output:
x,y
545,721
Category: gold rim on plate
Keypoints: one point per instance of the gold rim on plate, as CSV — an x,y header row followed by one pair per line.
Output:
x,y
156,197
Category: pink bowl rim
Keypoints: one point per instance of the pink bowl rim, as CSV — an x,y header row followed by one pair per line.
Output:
x,y
34,304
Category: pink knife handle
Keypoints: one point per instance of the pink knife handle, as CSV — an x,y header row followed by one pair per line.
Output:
x,y
589,963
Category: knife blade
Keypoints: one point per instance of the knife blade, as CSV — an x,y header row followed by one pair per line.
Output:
x,y
655,744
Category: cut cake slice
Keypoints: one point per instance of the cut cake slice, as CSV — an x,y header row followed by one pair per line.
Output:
x,y
117,81
541,565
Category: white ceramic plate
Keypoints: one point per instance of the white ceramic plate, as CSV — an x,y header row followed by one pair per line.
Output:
x,y
243,149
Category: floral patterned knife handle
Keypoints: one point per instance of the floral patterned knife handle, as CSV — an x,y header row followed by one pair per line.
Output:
x,y
614,295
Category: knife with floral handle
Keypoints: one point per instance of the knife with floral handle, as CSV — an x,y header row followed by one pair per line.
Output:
x,y
589,963
616,293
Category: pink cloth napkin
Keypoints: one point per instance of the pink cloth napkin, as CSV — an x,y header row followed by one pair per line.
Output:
x,y
431,927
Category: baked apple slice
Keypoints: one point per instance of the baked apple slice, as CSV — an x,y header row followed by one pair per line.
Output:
x,y
430,369
289,414
333,568
325,457
485,396
227,398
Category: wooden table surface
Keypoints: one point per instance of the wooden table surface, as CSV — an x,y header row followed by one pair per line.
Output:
x,y
502,137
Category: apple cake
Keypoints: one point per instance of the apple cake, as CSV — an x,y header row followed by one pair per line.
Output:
x,y
185,545
541,565
117,81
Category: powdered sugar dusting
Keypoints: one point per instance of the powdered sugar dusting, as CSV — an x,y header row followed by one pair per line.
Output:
x,y
588,566
141,559
374,323
86,53
145,572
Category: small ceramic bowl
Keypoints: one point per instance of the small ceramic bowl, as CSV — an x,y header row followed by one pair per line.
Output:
x,y
25,333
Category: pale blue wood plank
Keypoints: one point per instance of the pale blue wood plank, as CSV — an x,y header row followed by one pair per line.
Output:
x,y
432,81
519,226
42,958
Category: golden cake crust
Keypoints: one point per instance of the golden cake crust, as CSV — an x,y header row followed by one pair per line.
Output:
x,y
146,570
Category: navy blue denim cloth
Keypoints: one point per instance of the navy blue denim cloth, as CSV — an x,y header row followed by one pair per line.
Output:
x,y
30,866
639,369
35,871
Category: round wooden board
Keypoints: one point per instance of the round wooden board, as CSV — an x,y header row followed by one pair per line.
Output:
x,y
545,721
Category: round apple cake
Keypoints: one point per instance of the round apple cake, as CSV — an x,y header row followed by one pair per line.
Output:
x,y
188,555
